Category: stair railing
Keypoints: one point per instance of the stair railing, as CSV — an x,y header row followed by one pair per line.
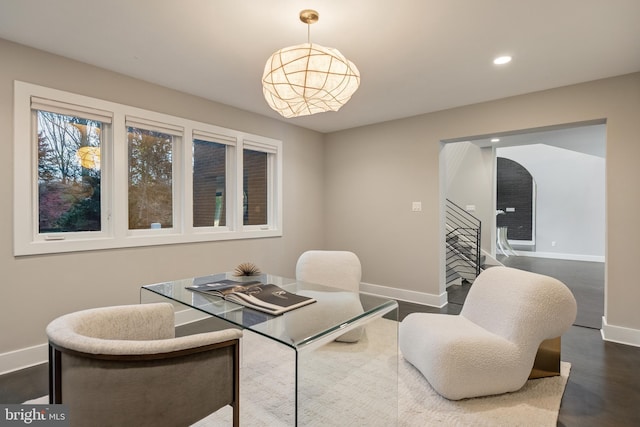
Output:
x,y
462,239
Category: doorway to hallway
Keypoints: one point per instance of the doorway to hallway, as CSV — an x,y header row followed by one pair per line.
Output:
x,y
568,235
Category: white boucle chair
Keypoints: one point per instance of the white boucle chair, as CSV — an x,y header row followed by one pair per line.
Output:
x,y
123,366
338,269
491,346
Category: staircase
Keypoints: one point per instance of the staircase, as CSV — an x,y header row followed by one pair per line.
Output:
x,y
464,258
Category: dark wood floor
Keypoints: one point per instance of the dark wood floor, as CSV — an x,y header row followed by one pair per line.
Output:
x,y
585,279
604,384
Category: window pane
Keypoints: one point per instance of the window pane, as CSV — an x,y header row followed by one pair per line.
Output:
x,y
255,188
150,179
68,173
209,195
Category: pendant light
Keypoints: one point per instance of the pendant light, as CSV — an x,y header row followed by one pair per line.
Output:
x,y
308,78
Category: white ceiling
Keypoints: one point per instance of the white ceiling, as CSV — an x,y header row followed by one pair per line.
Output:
x,y
587,139
414,56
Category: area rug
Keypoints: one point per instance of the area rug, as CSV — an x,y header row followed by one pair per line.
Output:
x,y
536,404
330,392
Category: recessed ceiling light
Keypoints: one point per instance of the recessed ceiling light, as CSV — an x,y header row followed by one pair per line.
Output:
x,y
501,60
495,139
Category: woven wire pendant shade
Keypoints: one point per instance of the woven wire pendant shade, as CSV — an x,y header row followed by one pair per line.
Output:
x,y
307,79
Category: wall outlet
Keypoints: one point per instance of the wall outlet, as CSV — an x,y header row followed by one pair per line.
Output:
x,y
416,206
553,243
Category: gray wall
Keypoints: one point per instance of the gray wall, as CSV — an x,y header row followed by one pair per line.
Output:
x,y
373,174
347,190
36,289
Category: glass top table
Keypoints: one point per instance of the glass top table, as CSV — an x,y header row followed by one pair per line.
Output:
x,y
368,359
279,327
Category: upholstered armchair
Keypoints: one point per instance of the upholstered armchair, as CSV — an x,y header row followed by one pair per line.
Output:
x,y
123,366
490,347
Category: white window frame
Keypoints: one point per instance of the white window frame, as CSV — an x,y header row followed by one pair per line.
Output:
x,y
114,181
274,166
177,132
31,164
214,134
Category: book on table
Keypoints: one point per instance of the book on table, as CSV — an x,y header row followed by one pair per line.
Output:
x,y
264,297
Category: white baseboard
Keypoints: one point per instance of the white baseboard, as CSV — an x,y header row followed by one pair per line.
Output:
x,y
556,255
620,334
405,295
489,259
24,358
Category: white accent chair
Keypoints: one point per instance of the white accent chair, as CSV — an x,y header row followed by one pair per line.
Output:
x,y
491,346
123,365
338,269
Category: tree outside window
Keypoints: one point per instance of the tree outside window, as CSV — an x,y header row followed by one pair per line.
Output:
x,y
91,174
68,173
150,178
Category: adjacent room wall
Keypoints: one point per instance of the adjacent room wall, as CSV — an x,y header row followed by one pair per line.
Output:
x,y
570,200
470,183
569,165
373,174
36,289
